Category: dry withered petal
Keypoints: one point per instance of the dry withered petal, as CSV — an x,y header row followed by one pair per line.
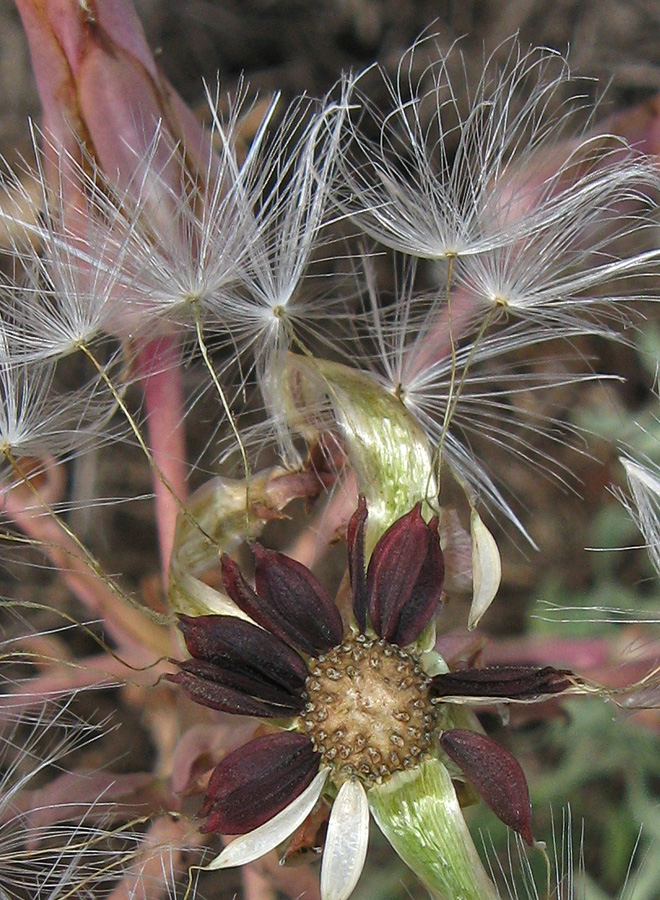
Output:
x,y
255,782
503,682
357,574
405,578
194,679
239,645
286,586
326,458
496,774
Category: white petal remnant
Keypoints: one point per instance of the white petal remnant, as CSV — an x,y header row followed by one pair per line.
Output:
x,y
346,842
486,569
266,837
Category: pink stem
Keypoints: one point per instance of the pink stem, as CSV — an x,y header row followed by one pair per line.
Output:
x,y
294,881
159,367
448,327
598,658
312,543
166,848
92,673
256,886
581,654
126,624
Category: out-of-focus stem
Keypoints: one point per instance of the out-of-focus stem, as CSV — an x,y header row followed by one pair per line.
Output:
x,y
293,881
255,885
165,852
159,367
448,329
125,623
92,672
313,542
581,654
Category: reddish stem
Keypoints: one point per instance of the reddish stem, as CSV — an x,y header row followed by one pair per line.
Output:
x,y
256,886
312,543
162,382
166,848
92,673
580,654
125,623
451,325
294,881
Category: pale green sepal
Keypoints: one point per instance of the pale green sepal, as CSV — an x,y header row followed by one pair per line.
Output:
x,y
266,837
426,641
433,664
456,715
389,453
346,842
486,569
192,597
419,814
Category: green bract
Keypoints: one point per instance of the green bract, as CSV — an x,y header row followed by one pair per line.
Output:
x,y
419,814
389,453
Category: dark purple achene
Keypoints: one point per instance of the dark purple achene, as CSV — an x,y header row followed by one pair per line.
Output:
x,y
218,695
503,682
235,643
356,570
242,680
257,781
405,578
496,774
285,622
289,601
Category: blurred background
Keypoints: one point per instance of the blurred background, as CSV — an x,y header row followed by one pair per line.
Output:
x,y
601,761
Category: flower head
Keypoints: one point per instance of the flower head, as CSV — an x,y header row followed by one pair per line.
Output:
x,y
359,706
